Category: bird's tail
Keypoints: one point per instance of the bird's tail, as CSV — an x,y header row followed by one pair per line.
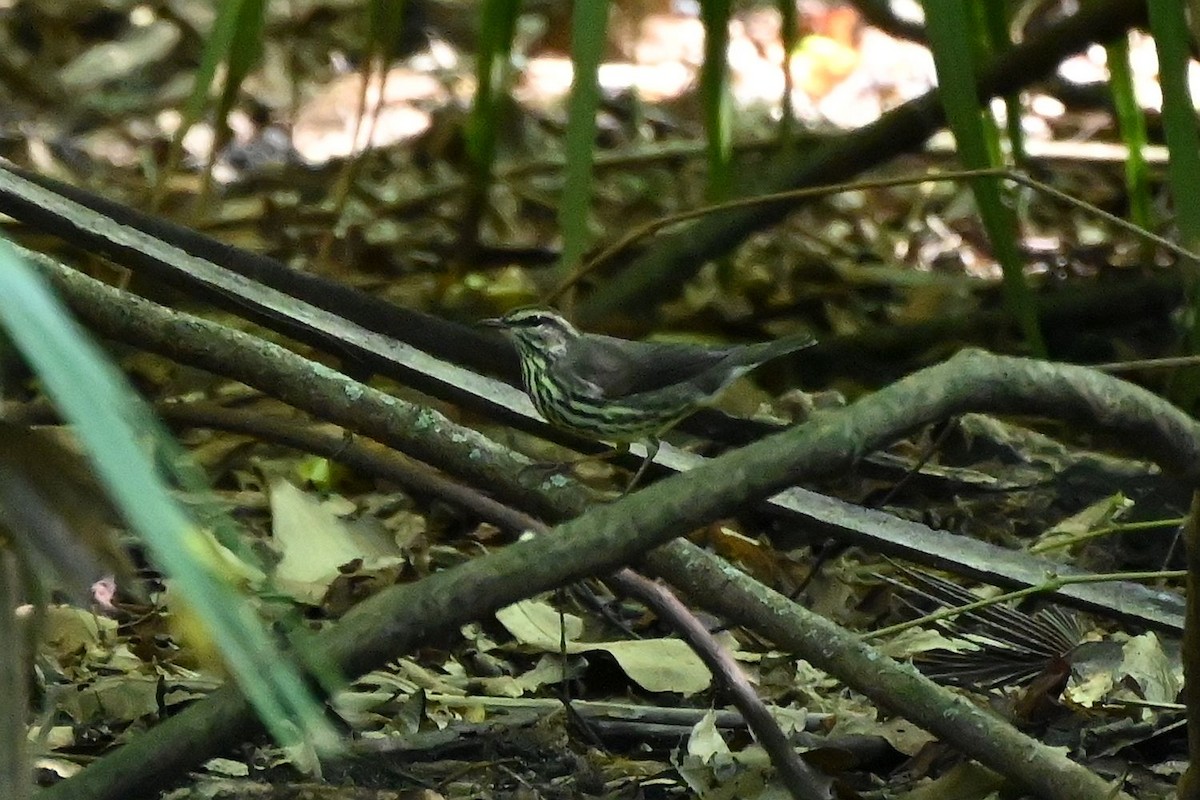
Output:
x,y
745,358
762,353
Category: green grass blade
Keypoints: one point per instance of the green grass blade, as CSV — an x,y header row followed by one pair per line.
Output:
x,y
245,49
385,23
588,23
225,44
996,22
715,96
790,36
1168,24
493,69
954,39
1131,123
128,448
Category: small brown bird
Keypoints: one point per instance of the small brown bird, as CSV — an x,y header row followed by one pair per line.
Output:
x,y
620,390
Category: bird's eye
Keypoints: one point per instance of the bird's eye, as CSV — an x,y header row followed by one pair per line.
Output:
x,y
530,321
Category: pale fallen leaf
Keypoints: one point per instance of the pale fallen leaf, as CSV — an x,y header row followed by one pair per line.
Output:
x,y
315,543
657,665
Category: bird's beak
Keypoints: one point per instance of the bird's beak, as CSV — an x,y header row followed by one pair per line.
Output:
x,y
490,322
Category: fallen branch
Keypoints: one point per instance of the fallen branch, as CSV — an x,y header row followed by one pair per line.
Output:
x,y
606,537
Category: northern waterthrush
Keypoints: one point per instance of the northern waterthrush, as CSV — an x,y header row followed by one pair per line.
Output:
x,y
620,390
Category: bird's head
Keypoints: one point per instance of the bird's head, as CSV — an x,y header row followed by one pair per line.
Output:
x,y
538,330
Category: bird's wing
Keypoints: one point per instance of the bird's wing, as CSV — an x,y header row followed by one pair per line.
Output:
x,y
618,368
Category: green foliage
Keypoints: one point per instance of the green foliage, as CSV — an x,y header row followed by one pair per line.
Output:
x,y
790,36
385,22
996,19
236,42
714,93
1168,23
492,71
493,68
130,453
954,38
1132,125
588,23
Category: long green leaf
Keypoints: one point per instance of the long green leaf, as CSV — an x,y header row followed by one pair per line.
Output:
x,y
385,23
996,19
588,24
1131,123
493,67
789,27
225,44
714,93
127,447
1168,23
954,38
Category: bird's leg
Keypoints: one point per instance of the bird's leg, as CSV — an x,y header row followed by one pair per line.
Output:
x,y
652,445
563,466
